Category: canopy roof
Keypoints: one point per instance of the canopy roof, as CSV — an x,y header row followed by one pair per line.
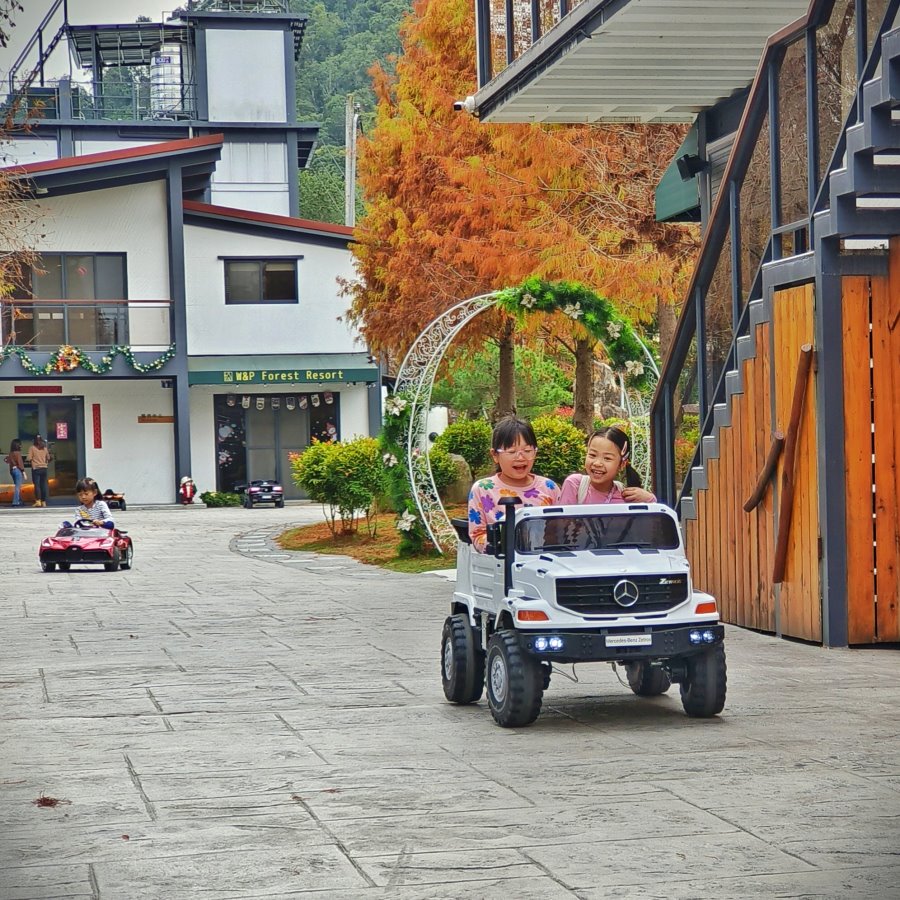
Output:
x,y
637,60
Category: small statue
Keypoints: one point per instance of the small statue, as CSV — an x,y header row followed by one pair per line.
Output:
x,y
187,490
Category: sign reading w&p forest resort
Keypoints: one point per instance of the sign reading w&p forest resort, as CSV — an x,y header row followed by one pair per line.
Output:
x,y
282,376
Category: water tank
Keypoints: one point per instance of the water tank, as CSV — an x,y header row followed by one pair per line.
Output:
x,y
167,83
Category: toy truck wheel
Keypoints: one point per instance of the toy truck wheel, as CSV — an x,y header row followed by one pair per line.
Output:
x,y
48,566
546,672
462,661
646,680
514,682
703,688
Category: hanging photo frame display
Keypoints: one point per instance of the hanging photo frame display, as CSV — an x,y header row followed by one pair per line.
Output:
x,y
329,397
245,401
260,403
303,401
290,402
276,403
316,401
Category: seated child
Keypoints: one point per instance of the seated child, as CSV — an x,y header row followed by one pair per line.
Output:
x,y
92,509
513,449
607,454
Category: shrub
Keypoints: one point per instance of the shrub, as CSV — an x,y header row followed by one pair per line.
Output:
x,y
560,448
310,470
220,498
344,477
612,422
442,468
359,471
686,438
468,438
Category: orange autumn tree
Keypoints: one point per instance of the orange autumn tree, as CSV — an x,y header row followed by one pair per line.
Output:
x,y
456,208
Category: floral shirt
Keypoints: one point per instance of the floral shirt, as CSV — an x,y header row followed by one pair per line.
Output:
x,y
485,509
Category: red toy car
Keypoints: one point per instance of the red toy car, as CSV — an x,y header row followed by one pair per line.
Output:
x,y
86,545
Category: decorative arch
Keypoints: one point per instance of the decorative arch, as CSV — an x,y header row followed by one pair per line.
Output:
x,y
629,355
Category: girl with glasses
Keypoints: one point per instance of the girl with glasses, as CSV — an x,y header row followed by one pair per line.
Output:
x,y
514,448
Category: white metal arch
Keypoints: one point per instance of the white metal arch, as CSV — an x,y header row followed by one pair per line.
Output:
x,y
415,379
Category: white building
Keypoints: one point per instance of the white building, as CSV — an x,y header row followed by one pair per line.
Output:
x,y
182,319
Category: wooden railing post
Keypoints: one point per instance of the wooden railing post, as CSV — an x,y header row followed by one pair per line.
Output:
x,y
786,501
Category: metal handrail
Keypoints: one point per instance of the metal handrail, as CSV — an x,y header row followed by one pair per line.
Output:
x,y
35,38
719,222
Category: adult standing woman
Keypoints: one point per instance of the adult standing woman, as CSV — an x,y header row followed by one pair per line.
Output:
x,y
16,469
39,457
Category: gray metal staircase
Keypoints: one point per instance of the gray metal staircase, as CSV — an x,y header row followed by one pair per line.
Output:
x,y
863,203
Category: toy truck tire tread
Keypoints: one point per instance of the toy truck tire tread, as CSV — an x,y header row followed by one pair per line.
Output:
x,y
703,689
462,661
514,682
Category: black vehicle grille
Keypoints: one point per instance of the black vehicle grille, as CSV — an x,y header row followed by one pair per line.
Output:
x,y
594,596
75,555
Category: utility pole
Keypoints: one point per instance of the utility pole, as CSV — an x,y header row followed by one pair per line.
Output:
x,y
351,125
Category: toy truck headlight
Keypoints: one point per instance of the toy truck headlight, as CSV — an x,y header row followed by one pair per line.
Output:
x,y
542,644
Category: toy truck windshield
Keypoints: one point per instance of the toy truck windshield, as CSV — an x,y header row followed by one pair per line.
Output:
x,y
568,533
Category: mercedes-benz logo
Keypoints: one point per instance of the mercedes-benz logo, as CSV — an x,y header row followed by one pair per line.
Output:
x,y
626,593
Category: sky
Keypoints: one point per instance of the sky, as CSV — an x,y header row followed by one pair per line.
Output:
x,y
81,12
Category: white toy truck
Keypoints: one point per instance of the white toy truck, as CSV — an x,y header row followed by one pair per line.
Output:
x,y
572,584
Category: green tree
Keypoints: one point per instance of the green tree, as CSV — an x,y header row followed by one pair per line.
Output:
x,y
471,384
322,186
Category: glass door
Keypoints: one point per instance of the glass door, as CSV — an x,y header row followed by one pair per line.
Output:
x,y
62,431
61,423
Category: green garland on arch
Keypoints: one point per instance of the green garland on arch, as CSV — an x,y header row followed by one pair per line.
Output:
x,y
66,358
599,317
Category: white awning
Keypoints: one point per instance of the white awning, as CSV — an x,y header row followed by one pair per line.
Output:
x,y
637,61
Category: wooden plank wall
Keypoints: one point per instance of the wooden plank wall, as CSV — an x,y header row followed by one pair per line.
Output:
x,y
800,602
871,310
731,551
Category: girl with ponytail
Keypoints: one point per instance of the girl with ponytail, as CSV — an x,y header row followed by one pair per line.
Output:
x,y
608,453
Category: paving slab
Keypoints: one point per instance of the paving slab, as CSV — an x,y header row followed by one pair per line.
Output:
x,y
231,720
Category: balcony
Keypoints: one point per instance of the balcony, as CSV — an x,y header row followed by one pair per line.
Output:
x,y
135,101
45,325
507,28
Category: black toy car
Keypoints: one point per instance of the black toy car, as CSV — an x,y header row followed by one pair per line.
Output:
x,y
263,491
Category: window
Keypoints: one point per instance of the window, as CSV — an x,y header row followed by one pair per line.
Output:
x,y
261,281
654,531
59,277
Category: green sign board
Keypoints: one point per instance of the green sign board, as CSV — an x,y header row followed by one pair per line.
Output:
x,y
262,377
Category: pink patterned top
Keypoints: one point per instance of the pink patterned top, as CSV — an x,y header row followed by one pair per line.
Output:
x,y
484,508
569,494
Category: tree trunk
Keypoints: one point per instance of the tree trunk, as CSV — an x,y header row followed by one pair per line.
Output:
x,y
506,399
665,317
583,416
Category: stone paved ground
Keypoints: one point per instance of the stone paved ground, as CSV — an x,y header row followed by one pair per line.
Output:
x,y
228,721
